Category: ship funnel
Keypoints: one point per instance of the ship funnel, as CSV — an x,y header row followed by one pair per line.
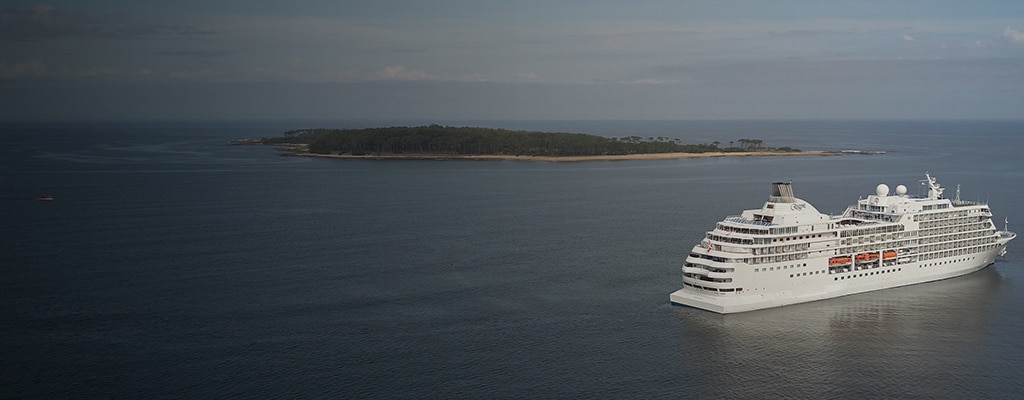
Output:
x,y
782,192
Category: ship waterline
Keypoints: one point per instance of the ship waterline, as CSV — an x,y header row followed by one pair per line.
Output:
x,y
787,252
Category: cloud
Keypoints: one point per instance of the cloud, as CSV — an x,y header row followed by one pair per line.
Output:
x,y
401,73
653,82
47,22
110,73
202,54
296,73
196,74
528,76
908,38
1013,35
37,69
32,69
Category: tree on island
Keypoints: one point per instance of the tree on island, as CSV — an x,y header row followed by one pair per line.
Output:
x,y
750,144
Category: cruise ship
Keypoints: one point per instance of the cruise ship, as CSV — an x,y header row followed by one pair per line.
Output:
x,y
787,252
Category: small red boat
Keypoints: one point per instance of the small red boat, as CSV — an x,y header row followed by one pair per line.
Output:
x,y
45,197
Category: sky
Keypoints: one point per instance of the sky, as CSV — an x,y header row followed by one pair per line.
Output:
x,y
443,60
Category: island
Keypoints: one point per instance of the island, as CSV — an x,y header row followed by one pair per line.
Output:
x,y
475,143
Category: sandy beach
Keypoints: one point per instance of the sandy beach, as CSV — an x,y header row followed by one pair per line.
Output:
x,y
300,151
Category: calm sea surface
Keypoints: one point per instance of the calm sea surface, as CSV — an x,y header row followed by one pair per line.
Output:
x,y
171,265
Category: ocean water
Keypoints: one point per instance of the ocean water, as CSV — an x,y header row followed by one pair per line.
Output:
x,y
172,265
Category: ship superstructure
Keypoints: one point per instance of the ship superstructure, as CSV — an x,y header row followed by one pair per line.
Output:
x,y
787,252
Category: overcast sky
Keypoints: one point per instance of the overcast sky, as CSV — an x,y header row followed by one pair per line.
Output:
x,y
482,59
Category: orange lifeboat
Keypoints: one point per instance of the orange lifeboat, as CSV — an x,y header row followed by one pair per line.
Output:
x,y
867,256
888,254
839,260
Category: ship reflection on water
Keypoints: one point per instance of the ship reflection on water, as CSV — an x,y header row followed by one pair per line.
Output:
x,y
928,340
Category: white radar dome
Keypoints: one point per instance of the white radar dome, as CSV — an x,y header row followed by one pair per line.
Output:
x,y
882,190
901,190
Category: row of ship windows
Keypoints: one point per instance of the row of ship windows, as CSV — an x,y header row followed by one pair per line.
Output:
x,y
780,268
752,260
799,274
943,242
884,271
759,240
944,262
965,227
870,239
801,237
712,258
953,222
878,216
914,247
964,247
778,258
872,208
946,215
878,246
948,253
919,247
787,248
724,239
944,221
871,231
955,246
742,230
955,236
711,289
709,268
707,279
877,237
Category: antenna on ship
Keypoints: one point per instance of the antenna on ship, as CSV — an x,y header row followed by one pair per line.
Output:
x,y
1006,224
934,189
957,200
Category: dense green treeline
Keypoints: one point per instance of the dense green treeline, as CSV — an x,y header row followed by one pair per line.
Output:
x,y
437,139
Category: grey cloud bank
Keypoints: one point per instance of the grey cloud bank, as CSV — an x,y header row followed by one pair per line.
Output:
x,y
654,60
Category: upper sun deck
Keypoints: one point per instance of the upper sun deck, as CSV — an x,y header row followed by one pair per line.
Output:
x,y
889,207
781,209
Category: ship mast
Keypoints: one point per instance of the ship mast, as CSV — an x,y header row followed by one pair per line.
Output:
x,y
934,190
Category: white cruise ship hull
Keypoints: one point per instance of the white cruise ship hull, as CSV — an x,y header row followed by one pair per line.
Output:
x,y
788,253
827,288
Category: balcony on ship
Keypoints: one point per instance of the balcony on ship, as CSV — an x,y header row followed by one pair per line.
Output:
x,y
740,220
